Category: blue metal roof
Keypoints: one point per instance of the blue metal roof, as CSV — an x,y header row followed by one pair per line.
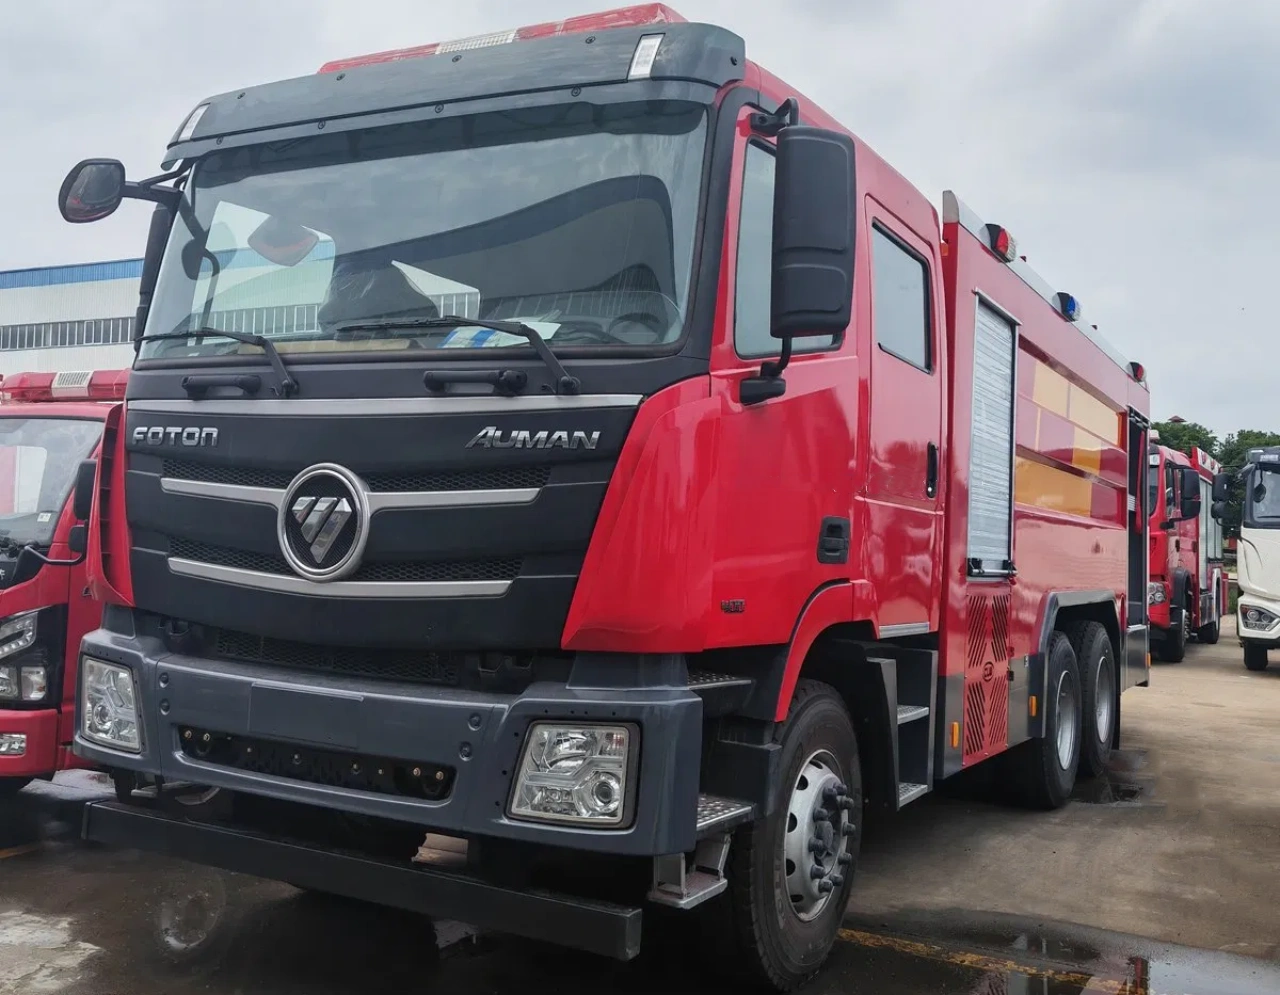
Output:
x,y
52,276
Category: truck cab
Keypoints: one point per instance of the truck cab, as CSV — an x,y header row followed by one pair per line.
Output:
x,y
49,425
1179,542
1258,553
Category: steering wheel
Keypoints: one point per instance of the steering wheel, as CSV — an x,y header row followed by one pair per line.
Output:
x,y
655,323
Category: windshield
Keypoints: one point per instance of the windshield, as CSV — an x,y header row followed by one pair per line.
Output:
x,y
576,220
1262,497
38,462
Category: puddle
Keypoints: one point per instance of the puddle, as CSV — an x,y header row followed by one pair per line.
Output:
x,y
1120,784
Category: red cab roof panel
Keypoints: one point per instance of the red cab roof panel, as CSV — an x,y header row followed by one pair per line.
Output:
x,y
621,17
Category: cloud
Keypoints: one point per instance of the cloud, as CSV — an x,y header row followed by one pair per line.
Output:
x,y
1131,147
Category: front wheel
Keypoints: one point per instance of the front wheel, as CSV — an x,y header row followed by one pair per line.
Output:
x,y
1174,647
1255,656
1208,634
790,874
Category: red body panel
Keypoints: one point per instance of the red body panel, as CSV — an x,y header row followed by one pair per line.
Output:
x,y
49,731
1178,548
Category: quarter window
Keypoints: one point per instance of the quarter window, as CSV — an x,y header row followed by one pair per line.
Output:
x,y
900,301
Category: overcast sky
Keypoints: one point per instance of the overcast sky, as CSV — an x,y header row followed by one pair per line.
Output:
x,y
1131,146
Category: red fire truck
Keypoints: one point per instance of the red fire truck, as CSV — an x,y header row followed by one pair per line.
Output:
x,y
50,425
576,448
1187,592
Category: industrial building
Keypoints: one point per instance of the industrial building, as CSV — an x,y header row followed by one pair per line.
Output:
x,y
78,317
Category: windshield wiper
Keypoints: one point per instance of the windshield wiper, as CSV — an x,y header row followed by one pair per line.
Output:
x,y
564,382
288,386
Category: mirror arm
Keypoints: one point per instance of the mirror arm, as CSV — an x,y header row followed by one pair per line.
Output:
x,y
772,368
766,123
144,190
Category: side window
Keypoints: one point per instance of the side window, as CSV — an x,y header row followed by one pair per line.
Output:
x,y
753,282
900,301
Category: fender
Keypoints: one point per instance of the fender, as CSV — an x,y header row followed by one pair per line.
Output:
x,y
831,605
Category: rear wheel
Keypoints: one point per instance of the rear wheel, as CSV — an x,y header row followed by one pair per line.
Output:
x,y
790,874
1045,768
1255,657
1096,661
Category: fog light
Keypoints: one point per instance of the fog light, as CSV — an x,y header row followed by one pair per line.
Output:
x,y
1155,594
573,773
109,706
35,683
17,633
1258,618
13,744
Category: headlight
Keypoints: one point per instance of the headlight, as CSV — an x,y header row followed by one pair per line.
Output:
x,y
1257,618
109,706
17,633
1155,593
573,773
24,682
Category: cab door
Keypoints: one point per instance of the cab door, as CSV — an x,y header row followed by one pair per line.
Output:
x,y
904,484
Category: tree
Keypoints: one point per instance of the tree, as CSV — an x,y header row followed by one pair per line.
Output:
x,y
1182,435
1233,455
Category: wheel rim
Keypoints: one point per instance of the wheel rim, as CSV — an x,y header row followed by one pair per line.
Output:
x,y
1104,698
1067,720
815,841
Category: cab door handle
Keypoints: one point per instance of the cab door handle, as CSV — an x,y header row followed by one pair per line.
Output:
x,y
931,473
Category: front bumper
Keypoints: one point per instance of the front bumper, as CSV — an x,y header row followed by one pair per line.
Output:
x,y
1269,637
478,736
42,755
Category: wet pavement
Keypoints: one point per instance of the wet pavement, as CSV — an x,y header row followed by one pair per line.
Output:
x,y
77,919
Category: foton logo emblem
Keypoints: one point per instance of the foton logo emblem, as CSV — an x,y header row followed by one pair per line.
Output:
x,y
174,435
491,438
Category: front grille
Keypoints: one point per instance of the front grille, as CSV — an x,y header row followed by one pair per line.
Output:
x,y
378,775
407,571
491,479
411,666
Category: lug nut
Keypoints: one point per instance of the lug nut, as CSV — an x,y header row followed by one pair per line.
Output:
x,y
845,859
846,804
825,886
848,829
821,815
817,846
816,872
836,880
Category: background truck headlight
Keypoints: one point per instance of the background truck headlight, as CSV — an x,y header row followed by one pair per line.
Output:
x,y
573,773
17,633
109,706
13,744
1155,594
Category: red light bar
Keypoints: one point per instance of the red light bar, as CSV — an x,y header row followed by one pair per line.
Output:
x,y
638,16
80,385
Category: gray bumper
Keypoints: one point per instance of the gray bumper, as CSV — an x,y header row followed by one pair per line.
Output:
x,y
479,735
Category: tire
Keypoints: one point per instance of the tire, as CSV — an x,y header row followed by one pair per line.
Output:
x,y
1174,647
10,786
1040,779
1208,634
1100,708
774,939
1255,657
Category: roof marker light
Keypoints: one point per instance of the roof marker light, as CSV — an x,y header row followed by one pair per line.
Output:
x,y
189,125
1138,371
1069,306
1002,243
642,61
477,41
69,385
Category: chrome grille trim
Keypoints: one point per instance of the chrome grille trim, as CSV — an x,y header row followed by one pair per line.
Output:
x,y
378,500
285,584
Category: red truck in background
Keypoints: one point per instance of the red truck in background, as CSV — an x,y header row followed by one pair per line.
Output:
x,y
668,485
50,424
1187,588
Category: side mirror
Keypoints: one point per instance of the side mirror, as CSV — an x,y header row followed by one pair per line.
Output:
x,y
813,233
1190,506
86,477
1218,510
92,190
78,539
1221,483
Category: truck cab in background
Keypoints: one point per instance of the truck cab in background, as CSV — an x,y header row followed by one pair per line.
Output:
x,y
1187,589
50,424
1258,553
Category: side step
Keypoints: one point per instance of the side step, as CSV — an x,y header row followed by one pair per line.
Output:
x,y
721,694
910,684
681,882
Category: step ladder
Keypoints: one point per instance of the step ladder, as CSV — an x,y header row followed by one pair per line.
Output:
x,y
911,687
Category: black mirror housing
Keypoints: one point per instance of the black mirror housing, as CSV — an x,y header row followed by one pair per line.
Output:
x,y
813,233
78,539
86,479
1221,483
1190,506
92,190
1218,510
